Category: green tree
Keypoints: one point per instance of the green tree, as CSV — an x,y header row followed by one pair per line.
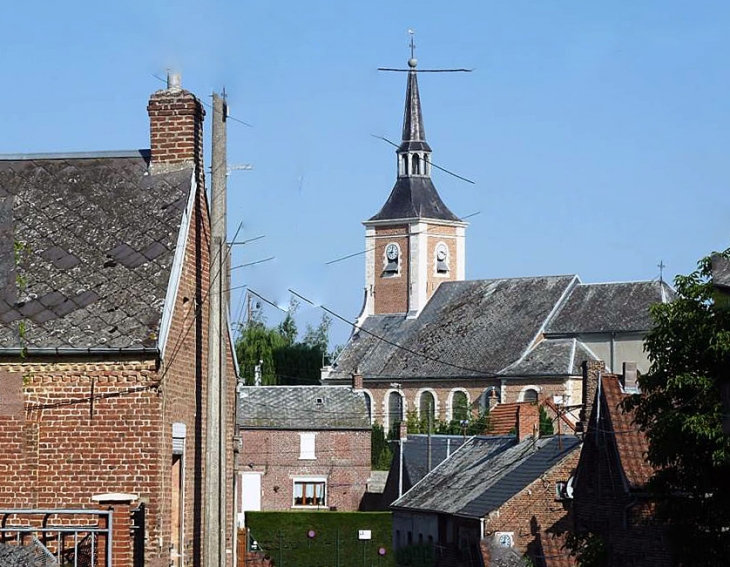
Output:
x,y
380,452
680,410
283,359
546,424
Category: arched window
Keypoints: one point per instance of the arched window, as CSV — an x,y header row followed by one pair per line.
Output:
x,y
426,165
416,165
459,406
404,165
426,406
530,395
395,409
369,404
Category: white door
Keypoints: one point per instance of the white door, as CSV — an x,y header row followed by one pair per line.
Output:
x,y
250,492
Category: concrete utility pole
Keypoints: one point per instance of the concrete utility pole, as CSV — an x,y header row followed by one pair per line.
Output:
x,y
216,434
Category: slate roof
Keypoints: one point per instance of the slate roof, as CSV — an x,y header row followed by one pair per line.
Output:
x,y
607,307
302,408
415,453
86,249
631,444
468,328
474,482
414,134
720,271
414,197
551,357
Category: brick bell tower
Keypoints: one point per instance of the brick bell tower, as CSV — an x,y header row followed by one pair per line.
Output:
x,y
414,243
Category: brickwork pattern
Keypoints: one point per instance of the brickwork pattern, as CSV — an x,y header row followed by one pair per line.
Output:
x,y
343,457
391,291
436,235
176,127
535,512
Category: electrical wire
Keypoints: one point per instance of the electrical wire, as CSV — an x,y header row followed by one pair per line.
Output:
x,y
357,327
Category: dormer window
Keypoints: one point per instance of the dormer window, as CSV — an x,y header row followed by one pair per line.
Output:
x,y
442,258
392,259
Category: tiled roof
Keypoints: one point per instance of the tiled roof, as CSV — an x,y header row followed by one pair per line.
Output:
x,y
86,250
601,308
302,408
720,271
473,481
415,452
631,443
414,197
551,357
503,419
477,327
554,552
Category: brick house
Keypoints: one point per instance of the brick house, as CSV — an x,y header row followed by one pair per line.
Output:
x,y
427,338
104,260
486,498
302,448
609,497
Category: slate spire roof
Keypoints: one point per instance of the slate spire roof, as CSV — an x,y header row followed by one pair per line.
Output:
x,y
414,133
414,194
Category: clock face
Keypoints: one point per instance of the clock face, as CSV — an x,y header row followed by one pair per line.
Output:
x,y
441,253
391,252
505,540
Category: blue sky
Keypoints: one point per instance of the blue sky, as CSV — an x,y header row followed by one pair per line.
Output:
x,y
597,133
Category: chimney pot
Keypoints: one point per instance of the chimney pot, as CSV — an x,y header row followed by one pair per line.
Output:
x,y
174,81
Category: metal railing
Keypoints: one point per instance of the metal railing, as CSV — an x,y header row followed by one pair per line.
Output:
x,y
72,537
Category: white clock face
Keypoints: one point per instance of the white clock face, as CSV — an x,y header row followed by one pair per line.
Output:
x,y
441,253
391,252
505,540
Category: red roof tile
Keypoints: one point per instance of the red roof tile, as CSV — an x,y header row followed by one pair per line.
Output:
x,y
554,552
503,419
631,443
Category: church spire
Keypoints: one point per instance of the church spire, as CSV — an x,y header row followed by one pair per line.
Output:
x,y
414,133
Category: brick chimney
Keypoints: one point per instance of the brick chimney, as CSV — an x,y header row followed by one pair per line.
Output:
x,y
176,127
592,369
528,419
356,381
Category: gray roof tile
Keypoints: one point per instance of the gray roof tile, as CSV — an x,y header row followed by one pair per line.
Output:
x,y
607,307
551,357
302,408
478,327
475,481
88,249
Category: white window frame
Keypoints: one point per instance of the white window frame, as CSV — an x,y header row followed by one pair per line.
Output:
x,y
307,446
306,480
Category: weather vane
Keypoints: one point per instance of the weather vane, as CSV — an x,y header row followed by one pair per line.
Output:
x,y
413,62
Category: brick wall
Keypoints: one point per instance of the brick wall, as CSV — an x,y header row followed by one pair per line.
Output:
x,y
534,512
69,447
176,127
343,457
391,292
447,235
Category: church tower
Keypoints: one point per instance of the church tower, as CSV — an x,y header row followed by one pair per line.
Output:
x,y
414,243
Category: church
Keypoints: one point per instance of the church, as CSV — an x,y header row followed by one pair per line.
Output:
x,y
430,341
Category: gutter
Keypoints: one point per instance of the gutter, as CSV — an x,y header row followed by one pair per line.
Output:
x,y
76,351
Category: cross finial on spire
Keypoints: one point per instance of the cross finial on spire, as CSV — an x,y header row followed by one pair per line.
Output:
x,y
412,62
661,265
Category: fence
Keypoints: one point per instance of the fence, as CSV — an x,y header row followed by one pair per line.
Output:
x,y
52,537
